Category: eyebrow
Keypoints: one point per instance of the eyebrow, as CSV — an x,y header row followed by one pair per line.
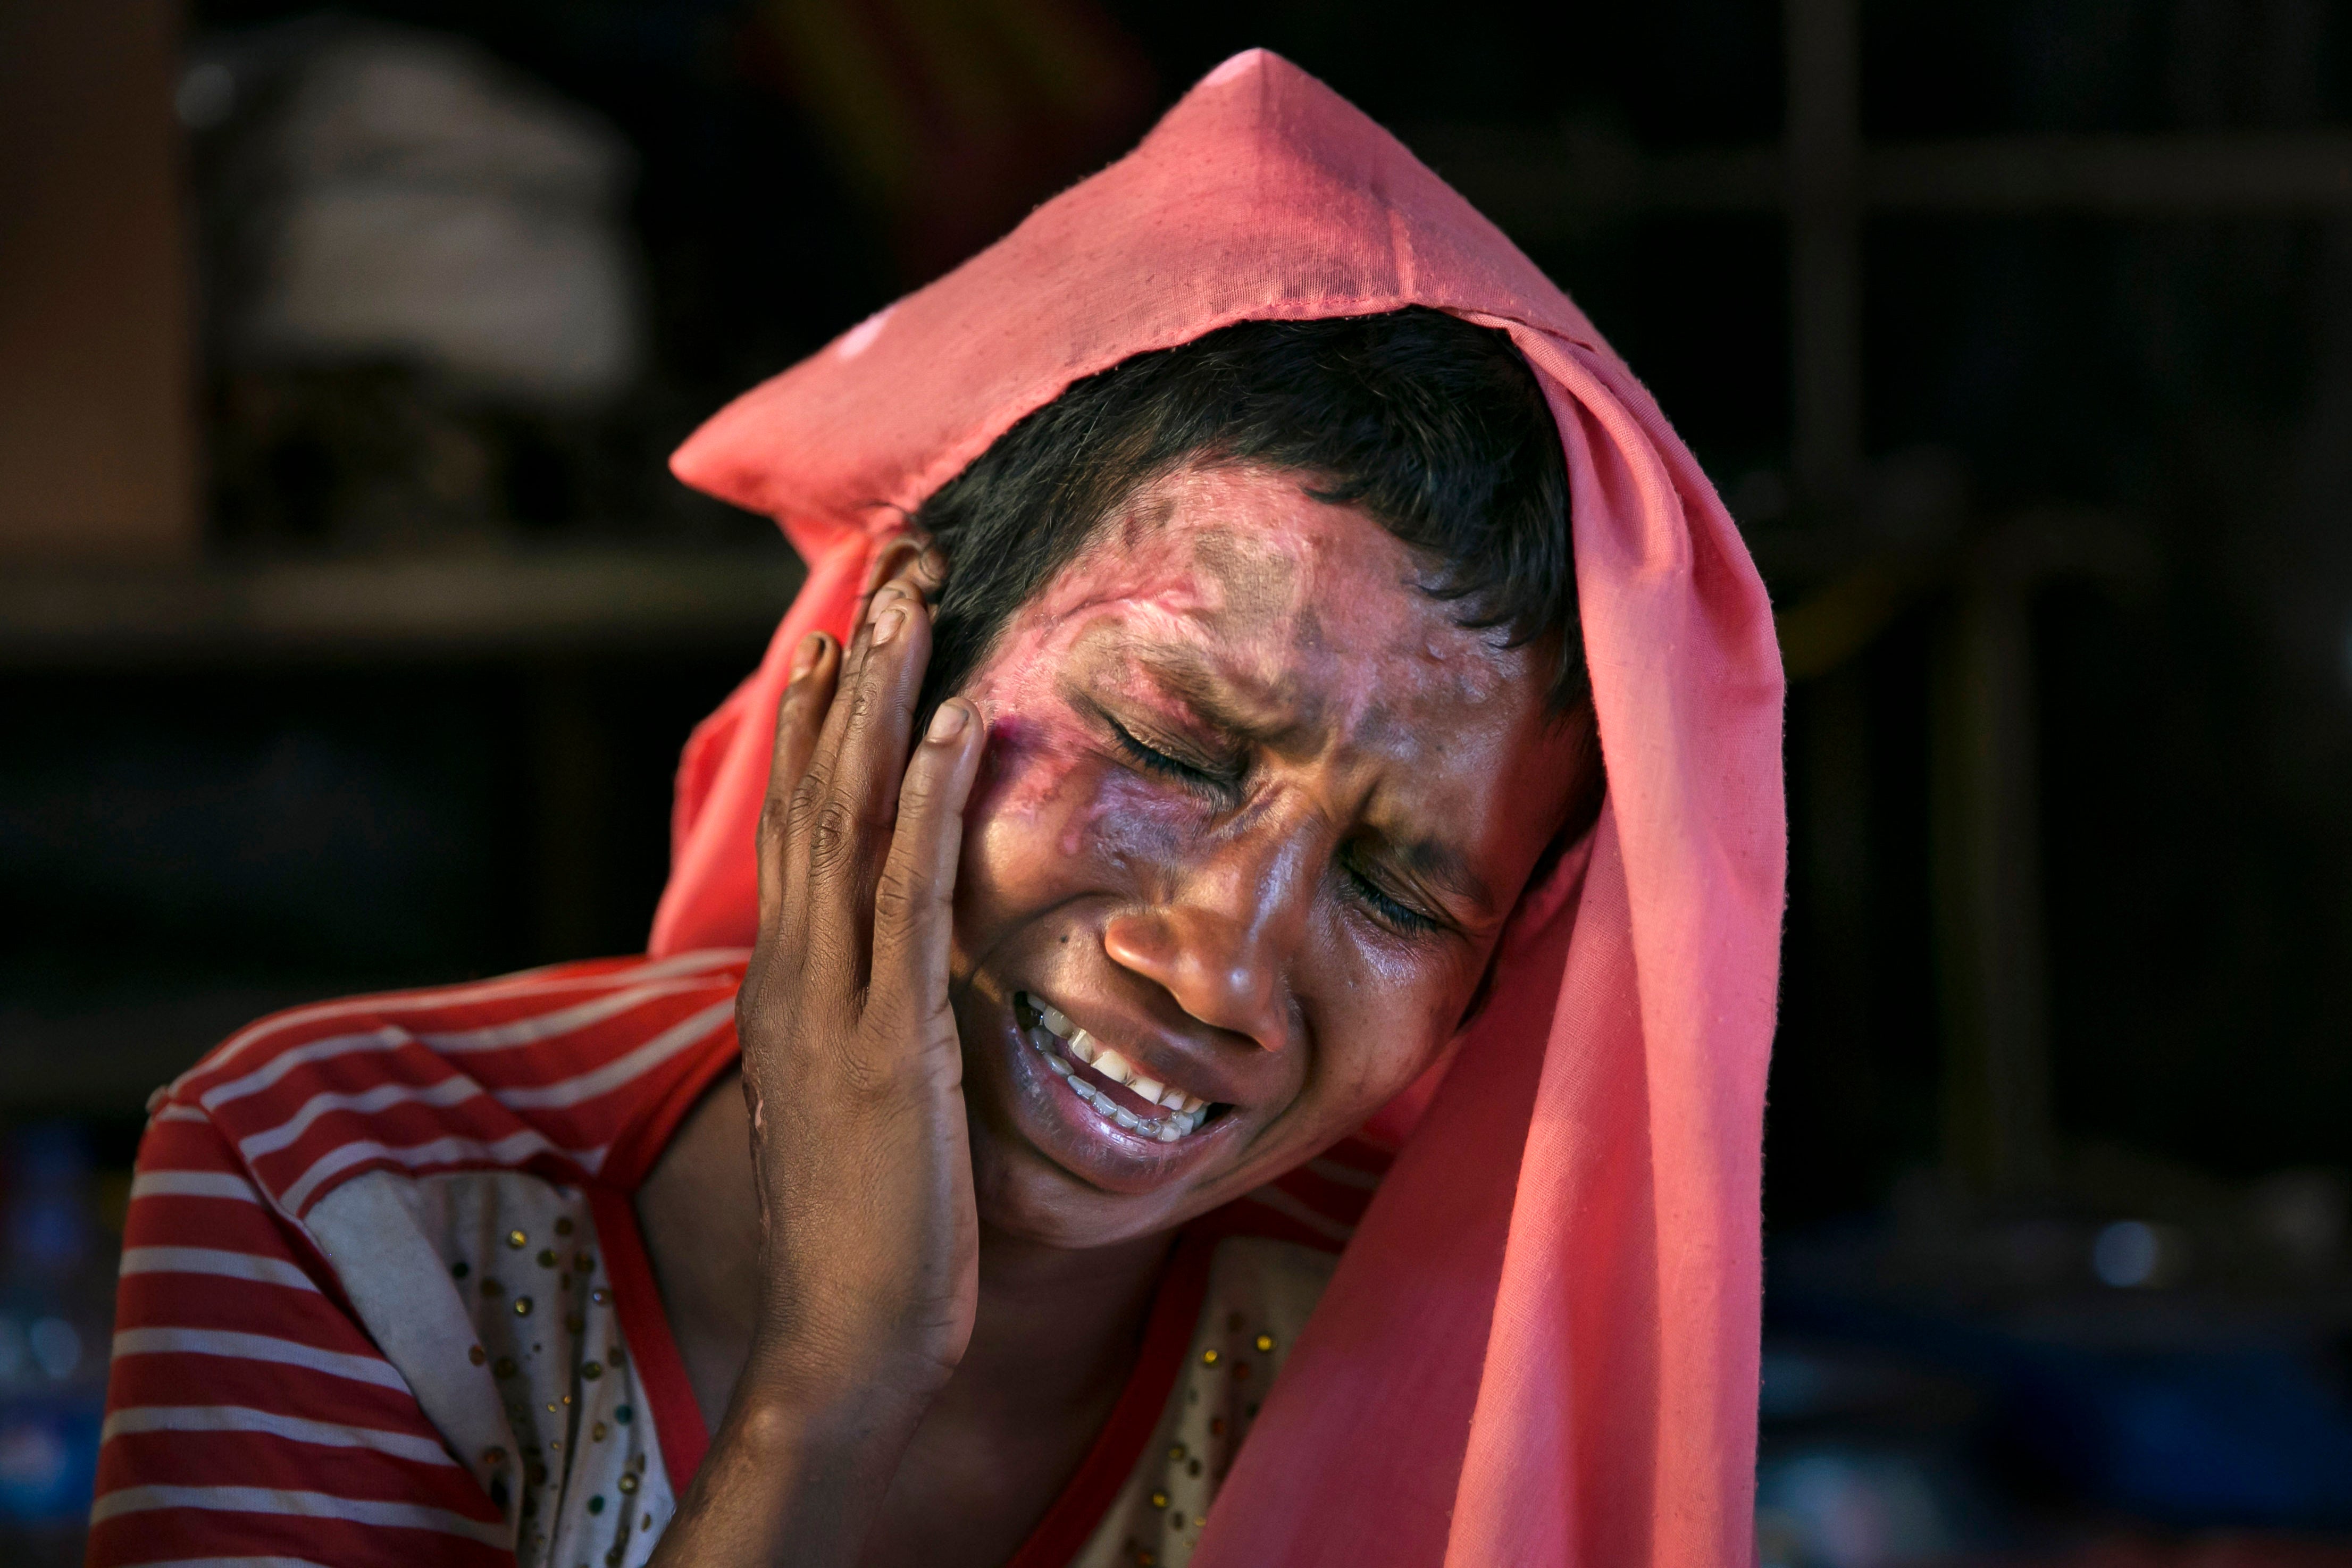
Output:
x,y
1183,676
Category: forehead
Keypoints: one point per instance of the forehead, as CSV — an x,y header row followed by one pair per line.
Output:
x,y
1307,609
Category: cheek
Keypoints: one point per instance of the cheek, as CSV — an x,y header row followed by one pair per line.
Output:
x,y
1052,819
1389,1009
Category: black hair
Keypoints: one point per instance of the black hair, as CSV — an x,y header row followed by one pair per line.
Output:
x,y
1433,425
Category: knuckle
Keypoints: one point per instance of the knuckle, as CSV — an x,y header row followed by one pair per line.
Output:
x,y
834,832
800,806
864,700
900,898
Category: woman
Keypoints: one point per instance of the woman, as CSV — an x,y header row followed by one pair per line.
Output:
x,y
1241,795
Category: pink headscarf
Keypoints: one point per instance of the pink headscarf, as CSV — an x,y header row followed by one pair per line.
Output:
x,y
1541,1345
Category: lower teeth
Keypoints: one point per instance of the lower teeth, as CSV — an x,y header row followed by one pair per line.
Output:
x,y
1165,1130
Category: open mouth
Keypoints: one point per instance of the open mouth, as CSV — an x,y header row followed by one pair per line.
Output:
x,y
1115,1089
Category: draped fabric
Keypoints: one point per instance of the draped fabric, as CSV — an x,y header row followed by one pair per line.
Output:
x,y
1541,1345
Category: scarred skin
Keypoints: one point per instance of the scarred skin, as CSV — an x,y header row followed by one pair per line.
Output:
x,y
1241,801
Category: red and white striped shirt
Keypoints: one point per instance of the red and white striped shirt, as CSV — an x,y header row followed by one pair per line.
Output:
x,y
384,1299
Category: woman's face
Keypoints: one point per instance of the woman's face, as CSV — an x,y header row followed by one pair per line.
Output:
x,y
1253,813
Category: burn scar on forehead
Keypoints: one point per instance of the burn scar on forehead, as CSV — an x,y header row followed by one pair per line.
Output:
x,y
1259,582
1230,592
1296,596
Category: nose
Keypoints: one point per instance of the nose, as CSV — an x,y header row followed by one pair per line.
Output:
x,y
1223,943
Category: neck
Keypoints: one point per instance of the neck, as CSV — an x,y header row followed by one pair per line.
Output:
x,y
1052,1343
1056,1330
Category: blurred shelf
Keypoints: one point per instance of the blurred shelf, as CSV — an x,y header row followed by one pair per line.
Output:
x,y
568,601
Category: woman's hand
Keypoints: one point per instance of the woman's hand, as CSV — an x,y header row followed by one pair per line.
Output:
x,y
853,1076
851,1064
850,1052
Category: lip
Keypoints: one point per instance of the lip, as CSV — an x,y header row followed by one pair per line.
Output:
x,y
1070,1132
1127,1092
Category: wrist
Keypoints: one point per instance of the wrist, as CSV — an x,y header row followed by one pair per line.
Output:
x,y
787,1382
794,1474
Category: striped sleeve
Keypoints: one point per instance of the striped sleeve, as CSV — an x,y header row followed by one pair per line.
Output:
x,y
250,1418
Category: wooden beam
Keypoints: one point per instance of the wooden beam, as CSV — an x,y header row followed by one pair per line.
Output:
x,y
1544,186
528,604
96,428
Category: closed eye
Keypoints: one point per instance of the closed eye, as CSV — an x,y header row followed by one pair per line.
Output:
x,y
1385,906
1153,760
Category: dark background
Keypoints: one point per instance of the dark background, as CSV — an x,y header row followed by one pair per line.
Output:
x,y
2147,396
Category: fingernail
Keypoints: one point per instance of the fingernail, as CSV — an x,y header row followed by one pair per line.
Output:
x,y
804,656
948,722
887,626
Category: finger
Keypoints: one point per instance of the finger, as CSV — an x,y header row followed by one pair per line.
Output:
x,y
875,711
891,562
914,901
823,759
808,696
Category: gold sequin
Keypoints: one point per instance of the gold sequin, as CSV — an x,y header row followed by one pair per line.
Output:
x,y
592,1372
547,1257
1160,1499
518,1240
522,1306
628,1481
596,1433
478,1355
1265,1343
1176,1452
1209,1358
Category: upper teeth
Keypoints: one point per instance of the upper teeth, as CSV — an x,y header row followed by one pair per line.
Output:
x,y
1109,1063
